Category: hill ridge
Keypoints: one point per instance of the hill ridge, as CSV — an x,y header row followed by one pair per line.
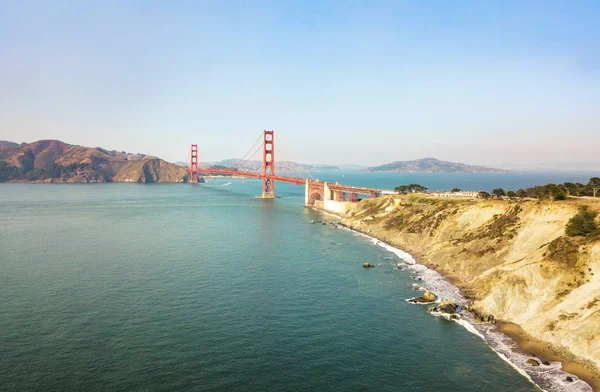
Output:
x,y
51,160
432,165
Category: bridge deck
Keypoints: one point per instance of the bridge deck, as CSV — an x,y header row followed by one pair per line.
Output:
x,y
291,180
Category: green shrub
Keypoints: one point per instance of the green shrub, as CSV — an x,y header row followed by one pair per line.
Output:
x,y
582,223
563,250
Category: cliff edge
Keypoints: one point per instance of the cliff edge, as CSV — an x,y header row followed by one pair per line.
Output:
x,y
512,258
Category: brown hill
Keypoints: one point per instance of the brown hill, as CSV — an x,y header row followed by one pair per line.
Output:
x,y
432,165
56,161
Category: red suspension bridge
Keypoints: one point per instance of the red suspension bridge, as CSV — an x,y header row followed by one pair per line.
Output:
x,y
315,191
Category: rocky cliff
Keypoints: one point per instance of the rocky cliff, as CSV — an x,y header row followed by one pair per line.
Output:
x,y
511,257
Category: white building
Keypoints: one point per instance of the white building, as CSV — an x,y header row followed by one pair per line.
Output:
x,y
455,194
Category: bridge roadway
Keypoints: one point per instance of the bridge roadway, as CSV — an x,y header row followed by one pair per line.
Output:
x,y
315,190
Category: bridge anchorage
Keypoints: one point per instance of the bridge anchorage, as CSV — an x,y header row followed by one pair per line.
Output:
x,y
330,197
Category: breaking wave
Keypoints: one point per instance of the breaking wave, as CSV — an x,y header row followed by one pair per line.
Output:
x,y
550,378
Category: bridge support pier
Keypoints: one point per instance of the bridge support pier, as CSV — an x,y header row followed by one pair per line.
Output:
x,y
268,191
193,170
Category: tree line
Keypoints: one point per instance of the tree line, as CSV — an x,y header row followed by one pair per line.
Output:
x,y
549,191
412,188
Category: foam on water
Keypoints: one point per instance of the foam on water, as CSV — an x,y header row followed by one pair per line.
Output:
x,y
549,378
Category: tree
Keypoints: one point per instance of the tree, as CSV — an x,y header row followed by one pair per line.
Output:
x,y
554,192
511,194
401,189
483,195
454,190
521,193
417,188
570,189
595,185
498,192
582,223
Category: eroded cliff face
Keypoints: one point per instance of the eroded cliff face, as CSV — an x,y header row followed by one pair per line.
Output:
x,y
512,258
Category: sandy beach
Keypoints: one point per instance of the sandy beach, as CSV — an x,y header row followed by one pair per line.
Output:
x,y
545,352
524,341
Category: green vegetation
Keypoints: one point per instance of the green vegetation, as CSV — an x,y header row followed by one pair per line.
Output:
x,y
563,250
562,191
582,223
549,191
594,185
412,188
540,192
498,192
394,223
52,170
9,172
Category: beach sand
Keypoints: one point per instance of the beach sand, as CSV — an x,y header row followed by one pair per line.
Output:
x,y
544,352
522,339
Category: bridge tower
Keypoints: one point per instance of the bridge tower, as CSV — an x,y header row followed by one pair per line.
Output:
x,y
193,171
268,191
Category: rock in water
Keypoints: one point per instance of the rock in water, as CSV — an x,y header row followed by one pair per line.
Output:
x,y
427,297
447,307
533,362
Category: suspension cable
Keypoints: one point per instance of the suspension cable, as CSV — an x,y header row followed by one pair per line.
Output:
x,y
300,168
296,169
239,161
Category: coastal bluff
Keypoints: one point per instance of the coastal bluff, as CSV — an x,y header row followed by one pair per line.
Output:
x,y
511,258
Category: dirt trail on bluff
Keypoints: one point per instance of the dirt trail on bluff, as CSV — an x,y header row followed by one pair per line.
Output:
x,y
512,258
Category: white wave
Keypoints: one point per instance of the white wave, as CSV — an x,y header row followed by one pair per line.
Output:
x,y
549,378
227,184
470,327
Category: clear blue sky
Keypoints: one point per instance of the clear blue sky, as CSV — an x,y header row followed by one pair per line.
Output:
x,y
341,82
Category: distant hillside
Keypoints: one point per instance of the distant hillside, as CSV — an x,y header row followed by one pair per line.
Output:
x,y
256,166
432,165
4,143
56,161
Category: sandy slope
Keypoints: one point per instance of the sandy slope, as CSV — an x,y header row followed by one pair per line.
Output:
x,y
499,250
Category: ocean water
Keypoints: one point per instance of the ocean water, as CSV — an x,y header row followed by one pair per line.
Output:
x,y
186,287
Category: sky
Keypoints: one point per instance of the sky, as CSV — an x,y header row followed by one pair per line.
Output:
x,y
354,82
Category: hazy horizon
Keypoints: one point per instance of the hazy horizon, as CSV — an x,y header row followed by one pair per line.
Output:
x,y
494,84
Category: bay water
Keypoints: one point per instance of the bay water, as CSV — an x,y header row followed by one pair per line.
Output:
x,y
186,287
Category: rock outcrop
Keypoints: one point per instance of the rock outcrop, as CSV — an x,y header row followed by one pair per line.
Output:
x,y
427,297
447,307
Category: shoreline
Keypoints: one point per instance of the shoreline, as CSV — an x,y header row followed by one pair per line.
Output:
x,y
545,352
524,342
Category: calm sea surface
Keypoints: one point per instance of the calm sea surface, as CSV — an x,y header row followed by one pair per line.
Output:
x,y
185,287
